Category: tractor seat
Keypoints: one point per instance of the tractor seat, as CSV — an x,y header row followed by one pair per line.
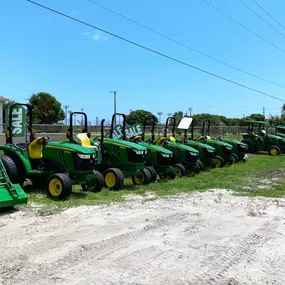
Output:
x,y
200,139
136,139
85,141
172,139
161,141
36,148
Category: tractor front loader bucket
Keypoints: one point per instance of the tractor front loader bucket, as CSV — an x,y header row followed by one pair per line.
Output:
x,y
10,194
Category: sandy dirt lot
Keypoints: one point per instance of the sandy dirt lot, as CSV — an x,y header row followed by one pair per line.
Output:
x,y
209,238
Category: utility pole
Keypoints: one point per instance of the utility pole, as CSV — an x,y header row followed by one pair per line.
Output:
x,y
190,110
159,114
115,103
66,108
81,116
97,121
263,111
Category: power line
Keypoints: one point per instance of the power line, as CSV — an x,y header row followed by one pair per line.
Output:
x,y
268,14
156,52
243,26
181,44
261,18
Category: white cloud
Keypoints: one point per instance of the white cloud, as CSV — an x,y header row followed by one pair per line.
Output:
x,y
97,36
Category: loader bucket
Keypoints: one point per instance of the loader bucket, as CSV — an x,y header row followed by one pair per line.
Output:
x,y
10,194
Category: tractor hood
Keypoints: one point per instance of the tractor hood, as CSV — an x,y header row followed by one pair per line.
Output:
x,y
232,141
70,147
219,142
199,144
275,137
125,144
280,135
182,146
156,148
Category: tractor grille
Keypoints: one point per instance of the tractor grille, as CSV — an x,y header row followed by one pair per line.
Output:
x,y
191,158
226,150
163,160
208,154
83,164
135,158
241,148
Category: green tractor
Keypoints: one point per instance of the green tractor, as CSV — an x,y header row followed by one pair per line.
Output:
x,y
56,165
159,159
280,131
207,154
120,158
10,194
238,150
185,158
257,139
224,151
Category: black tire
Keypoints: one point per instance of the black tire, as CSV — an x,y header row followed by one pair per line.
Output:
x,y
96,184
143,178
201,164
274,150
171,174
198,169
180,170
219,161
236,157
12,170
250,145
117,179
59,186
153,173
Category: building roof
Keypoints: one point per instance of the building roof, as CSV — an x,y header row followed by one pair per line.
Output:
x,y
3,98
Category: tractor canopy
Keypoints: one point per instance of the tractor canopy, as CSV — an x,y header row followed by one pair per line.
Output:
x,y
250,122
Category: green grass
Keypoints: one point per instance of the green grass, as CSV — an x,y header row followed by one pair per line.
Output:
x,y
261,175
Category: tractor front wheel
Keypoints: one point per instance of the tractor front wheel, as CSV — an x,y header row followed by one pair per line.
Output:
x,y
114,179
219,161
59,186
95,184
274,150
180,170
144,177
153,173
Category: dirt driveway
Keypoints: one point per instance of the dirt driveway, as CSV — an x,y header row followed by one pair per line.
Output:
x,y
209,238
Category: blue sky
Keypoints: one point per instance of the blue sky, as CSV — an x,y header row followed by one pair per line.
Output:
x,y
42,51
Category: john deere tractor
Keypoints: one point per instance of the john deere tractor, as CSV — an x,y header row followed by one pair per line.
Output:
x,y
257,139
238,150
120,158
224,151
55,165
280,131
159,159
185,158
207,154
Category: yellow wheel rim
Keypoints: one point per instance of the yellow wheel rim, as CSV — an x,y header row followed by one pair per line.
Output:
x,y
218,163
233,159
110,179
139,179
55,187
178,172
273,151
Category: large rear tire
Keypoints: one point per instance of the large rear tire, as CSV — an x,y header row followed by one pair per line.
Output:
x,y
96,184
249,145
114,178
144,177
59,186
153,173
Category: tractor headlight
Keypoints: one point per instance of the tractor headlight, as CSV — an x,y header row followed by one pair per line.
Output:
x,y
165,155
84,156
139,152
193,153
210,151
229,148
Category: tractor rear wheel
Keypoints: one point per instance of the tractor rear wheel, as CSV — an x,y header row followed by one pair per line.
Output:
x,y
13,169
114,178
171,174
201,164
153,173
249,145
236,157
274,150
180,170
96,184
219,161
144,177
59,186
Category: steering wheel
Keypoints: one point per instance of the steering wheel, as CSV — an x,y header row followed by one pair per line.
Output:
x,y
97,138
43,141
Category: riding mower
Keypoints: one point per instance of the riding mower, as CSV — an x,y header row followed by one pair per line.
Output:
x,y
120,158
159,159
56,165
207,157
184,158
238,150
280,131
10,194
262,141
224,151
